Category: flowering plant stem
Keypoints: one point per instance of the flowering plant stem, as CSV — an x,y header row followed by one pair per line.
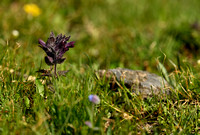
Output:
x,y
55,71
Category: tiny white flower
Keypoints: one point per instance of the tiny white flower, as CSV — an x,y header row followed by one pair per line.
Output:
x,y
11,71
31,78
42,81
198,62
15,33
13,81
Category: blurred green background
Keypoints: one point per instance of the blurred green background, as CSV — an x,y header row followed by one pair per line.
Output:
x,y
108,33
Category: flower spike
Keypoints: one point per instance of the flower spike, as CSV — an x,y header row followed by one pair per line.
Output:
x,y
55,47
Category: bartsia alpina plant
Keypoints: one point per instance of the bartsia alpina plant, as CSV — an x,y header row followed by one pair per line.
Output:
x,y
55,47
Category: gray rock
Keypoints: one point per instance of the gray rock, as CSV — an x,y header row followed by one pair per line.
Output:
x,y
140,82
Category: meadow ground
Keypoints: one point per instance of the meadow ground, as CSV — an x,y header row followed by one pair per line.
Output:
x,y
134,34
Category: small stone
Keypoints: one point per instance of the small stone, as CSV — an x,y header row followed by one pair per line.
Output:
x,y
139,82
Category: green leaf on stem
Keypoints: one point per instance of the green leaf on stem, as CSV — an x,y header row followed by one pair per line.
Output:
x,y
39,87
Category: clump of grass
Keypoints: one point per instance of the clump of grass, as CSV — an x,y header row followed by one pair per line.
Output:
x,y
25,110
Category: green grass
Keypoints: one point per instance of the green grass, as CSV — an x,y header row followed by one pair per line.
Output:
x,y
133,34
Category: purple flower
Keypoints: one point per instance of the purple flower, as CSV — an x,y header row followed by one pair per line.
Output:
x,y
94,99
55,47
88,123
